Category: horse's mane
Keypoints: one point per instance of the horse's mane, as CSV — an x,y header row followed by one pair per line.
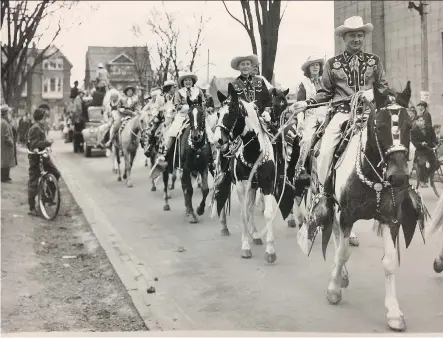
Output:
x,y
253,123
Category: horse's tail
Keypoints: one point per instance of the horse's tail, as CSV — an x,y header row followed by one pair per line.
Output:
x,y
437,219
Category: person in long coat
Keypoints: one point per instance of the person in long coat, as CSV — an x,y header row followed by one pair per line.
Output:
x,y
8,146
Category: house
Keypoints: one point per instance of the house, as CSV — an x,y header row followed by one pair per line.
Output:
x,y
125,65
48,84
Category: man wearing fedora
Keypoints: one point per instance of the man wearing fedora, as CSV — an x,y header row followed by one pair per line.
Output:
x,y
102,78
344,75
248,87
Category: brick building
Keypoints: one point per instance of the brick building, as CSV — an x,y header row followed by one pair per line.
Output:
x,y
397,40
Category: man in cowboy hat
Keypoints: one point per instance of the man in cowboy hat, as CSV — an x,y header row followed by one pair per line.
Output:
x,y
130,104
102,78
187,90
344,75
250,87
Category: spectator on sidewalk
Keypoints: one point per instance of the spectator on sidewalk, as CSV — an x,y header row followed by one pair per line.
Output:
x,y
74,91
8,156
422,110
23,126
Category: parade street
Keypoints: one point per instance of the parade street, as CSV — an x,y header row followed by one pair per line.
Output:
x,y
202,283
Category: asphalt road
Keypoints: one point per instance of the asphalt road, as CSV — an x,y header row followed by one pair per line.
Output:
x,y
215,289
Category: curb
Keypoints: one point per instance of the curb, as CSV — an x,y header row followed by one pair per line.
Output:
x,y
157,312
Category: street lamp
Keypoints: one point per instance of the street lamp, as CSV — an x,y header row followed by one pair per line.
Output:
x,y
421,9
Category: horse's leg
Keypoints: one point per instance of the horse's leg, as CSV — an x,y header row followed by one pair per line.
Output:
x,y
199,181
250,210
395,317
118,160
188,192
270,255
224,230
166,207
173,179
205,191
342,254
438,262
129,160
153,188
245,247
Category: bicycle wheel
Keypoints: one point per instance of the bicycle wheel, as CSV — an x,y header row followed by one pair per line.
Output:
x,y
436,179
49,196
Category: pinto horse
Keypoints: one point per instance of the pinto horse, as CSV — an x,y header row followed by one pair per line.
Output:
x,y
192,158
371,182
239,126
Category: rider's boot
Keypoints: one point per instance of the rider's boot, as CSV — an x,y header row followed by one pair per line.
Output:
x,y
111,137
161,164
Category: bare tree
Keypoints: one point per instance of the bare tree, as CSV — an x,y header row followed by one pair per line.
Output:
x,y
268,16
22,20
194,46
142,71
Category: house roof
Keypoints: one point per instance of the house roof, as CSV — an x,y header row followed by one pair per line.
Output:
x,y
105,55
51,50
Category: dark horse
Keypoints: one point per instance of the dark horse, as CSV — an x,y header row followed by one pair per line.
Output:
x,y
372,182
239,126
192,158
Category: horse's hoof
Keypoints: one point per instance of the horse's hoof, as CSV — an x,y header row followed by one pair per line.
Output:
x,y
119,179
200,210
333,297
166,207
397,324
438,268
192,219
344,282
167,197
246,254
125,177
270,258
171,187
291,223
129,185
354,241
257,241
153,189
225,232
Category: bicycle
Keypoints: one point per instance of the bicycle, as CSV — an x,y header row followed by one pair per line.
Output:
x,y
436,176
48,190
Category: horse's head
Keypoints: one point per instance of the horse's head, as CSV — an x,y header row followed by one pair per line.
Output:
x,y
389,134
197,121
279,101
169,111
231,120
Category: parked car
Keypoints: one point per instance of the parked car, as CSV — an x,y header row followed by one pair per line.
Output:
x,y
95,115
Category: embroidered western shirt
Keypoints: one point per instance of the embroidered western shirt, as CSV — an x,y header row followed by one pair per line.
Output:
x,y
252,88
347,73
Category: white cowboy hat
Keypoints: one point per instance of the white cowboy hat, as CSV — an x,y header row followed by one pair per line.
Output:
x,y
188,75
352,24
129,87
204,86
100,65
310,60
169,83
235,61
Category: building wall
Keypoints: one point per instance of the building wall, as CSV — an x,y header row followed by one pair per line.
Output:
x,y
401,43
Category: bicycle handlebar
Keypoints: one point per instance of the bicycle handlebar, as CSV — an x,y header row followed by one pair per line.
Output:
x,y
37,152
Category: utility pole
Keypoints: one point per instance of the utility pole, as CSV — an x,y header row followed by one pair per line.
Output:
x,y
422,10
207,70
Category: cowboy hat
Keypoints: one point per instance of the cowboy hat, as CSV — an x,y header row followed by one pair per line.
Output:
x,y
204,86
188,75
352,24
100,65
235,61
169,83
310,60
127,88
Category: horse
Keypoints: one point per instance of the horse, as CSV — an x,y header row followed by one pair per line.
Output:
x,y
127,142
371,182
437,223
167,113
239,126
192,157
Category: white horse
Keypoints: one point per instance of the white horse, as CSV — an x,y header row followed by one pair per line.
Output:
x,y
437,223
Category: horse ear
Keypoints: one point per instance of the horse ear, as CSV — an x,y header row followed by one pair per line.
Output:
x,y
286,92
220,96
232,93
274,92
379,98
404,97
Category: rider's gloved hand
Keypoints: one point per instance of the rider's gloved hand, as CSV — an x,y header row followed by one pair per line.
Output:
x,y
368,95
299,105
266,116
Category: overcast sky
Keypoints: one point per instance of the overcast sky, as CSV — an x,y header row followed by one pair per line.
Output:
x,y
307,28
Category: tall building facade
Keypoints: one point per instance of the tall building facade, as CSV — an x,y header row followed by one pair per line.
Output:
x,y
397,40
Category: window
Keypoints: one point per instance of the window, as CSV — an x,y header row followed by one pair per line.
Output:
x,y
53,64
52,85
